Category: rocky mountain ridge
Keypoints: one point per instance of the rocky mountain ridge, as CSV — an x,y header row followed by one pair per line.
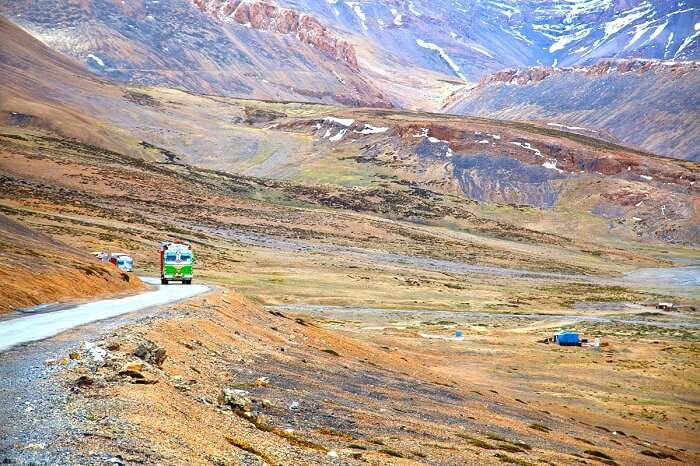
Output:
x,y
650,104
602,67
380,48
265,16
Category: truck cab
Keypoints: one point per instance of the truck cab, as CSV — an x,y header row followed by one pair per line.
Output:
x,y
176,261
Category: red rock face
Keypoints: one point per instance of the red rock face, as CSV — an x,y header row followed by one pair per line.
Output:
x,y
519,76
266,16
602,67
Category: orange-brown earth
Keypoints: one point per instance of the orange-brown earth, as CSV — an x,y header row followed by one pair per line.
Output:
x,y
38,269
387,397
365,219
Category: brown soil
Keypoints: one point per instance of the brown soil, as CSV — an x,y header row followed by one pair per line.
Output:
x,y
374,400
38,269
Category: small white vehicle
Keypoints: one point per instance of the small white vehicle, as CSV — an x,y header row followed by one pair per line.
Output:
x,y
123,261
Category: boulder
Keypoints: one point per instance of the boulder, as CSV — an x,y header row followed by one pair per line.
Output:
x,y
262,382
151,353
236,399
133,366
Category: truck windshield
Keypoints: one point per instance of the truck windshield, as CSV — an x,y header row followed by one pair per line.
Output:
x,y
185,257
170,257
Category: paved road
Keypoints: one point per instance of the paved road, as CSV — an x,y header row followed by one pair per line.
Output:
x,y
47,324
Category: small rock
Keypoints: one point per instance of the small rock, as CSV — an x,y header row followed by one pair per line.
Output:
x,y
202,399
35,446
151,353
333,454
262,382
237,399
51,361
113,346
266,403
84,381
74,355
143,381
132,373
133,366
183,387
94,352
294,406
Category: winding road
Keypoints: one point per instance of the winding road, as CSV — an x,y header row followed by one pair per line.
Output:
x,y
47,324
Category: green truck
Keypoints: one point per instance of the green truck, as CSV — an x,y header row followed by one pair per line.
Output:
x,y
176,260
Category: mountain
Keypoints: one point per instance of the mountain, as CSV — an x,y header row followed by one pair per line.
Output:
x,y
470,38
649,104
361,52
417,158
178,44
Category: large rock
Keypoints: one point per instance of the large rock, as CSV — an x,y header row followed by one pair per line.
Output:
x,y
151,353
236,399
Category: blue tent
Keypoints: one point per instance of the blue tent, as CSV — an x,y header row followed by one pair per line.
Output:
x,y
567,338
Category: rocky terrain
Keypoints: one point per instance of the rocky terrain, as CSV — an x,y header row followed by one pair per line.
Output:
x,y
346,247
223,380
364,52
634,194
647,104
269,17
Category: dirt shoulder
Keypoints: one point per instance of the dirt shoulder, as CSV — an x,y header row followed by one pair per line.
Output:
x,y
38,269
221,380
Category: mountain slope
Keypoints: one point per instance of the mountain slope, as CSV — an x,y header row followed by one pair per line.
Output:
x,y
361,52
647,104
380,150
177,44
38,269
483,35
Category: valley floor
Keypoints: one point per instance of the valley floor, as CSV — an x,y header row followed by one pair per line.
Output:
x,y
372,386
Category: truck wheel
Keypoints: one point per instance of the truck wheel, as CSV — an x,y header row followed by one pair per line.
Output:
x,y
163,281
187,282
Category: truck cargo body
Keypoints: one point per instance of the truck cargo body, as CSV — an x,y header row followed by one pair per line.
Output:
x,y
176,262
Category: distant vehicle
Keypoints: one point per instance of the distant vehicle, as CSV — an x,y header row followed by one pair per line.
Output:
x,y
101,256
176,260
123,261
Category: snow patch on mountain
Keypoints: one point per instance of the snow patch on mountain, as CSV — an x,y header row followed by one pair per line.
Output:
x,y
96,59
338,136
430,46
369,129
355,6
528,146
